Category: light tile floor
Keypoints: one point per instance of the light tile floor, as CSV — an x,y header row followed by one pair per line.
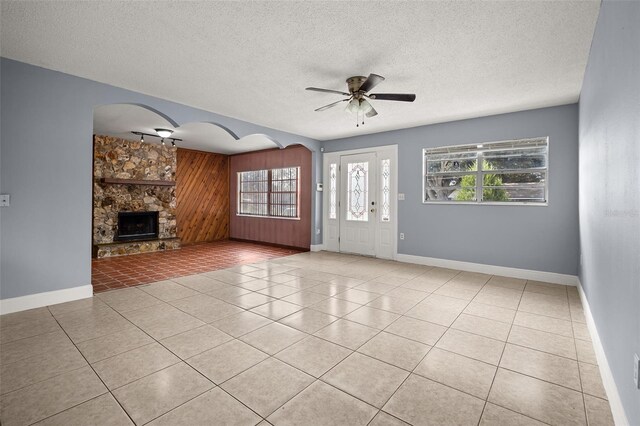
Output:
x,y
308,339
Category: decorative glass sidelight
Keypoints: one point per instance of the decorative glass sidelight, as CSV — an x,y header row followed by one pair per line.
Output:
x,y
385,173
333,191
357,191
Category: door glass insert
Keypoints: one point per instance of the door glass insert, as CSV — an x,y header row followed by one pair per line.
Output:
x,y
385,213
333,191
357,191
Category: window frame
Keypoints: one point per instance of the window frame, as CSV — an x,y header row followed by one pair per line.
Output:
x,y
268,194
479,173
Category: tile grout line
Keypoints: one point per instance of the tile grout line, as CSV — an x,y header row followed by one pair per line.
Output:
x,y
94,372
147,375
501,354
536,378
584,401
422,359
320,378
181,361
215,385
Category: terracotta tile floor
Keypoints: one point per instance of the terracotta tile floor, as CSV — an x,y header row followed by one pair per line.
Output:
x,y
127,271
308,339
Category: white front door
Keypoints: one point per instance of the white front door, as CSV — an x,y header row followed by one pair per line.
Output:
x,y
358,203
353,180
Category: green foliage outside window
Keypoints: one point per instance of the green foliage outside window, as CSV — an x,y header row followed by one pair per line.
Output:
x,y
468,184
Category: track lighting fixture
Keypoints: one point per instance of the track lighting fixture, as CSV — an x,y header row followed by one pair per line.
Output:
x,y
160,134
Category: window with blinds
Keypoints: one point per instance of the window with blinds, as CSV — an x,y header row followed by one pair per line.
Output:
x,y
270,193
507,172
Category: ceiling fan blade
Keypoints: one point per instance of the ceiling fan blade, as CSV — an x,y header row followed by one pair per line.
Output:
x,y
404,97
331,105
372,81
316,89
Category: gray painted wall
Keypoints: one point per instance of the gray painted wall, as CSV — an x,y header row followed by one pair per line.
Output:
x,y
527,237
610,191
45,153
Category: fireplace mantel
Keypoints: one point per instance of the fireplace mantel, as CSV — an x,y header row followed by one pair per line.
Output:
x,y
116,181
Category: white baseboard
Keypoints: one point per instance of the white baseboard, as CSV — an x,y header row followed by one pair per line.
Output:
x,y
316,247
527,274
617,409
38,300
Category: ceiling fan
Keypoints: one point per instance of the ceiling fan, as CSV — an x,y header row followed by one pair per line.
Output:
x,y
359,88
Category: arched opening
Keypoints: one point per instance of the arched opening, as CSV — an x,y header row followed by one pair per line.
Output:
x,y
158,195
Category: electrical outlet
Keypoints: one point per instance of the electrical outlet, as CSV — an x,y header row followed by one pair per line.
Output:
x,y
636,367
317,231
402,235
401,196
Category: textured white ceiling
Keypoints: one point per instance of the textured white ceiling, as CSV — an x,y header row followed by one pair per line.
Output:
x,y
120,120
252,60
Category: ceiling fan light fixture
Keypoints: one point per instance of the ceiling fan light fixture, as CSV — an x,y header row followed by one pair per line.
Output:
x,y
354,106
164,133
365,106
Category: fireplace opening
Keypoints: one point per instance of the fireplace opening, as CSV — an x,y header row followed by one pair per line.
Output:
x,y
137,226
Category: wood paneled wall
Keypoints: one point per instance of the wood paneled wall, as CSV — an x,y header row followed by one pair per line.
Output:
x,y
285,232
202,192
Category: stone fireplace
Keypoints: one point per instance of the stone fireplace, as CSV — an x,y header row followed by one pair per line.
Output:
x,y
134,197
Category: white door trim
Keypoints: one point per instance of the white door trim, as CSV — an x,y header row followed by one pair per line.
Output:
x,y
334,157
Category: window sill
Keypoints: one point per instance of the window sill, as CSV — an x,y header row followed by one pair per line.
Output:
x,y
267,217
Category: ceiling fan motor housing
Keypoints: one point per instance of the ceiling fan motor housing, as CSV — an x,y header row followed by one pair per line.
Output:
x,y
354,83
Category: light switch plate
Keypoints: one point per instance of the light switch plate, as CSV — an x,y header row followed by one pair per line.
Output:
x,y
5,200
